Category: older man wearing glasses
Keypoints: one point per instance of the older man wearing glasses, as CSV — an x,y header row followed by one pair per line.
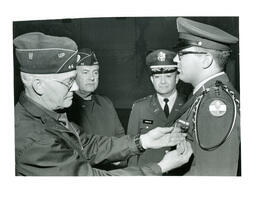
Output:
x,y
46,143
213,110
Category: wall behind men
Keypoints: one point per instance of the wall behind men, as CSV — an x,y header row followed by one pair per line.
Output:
x,y
121,45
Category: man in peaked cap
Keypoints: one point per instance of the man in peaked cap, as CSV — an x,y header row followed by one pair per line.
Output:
x,y
157,109
46,143
93,112
213,111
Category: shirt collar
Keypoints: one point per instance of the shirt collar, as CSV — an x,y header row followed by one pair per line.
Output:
x,y
87,97
206,80
161,98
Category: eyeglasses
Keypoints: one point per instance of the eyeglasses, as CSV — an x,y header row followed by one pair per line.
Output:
x,y
68,84
182,53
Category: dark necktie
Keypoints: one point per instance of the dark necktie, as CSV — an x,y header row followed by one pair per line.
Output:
x,y
166,107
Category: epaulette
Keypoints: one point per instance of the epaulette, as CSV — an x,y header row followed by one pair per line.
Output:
x,y
143,99
214,115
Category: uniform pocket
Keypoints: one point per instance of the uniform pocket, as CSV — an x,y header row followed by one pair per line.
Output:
x,y
145,126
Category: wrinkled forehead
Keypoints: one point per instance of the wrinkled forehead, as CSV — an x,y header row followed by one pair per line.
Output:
x,y
57,76
87,68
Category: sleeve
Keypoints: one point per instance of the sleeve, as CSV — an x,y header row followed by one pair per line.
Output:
x,y
133,124
50,158
218,151
101,149
119,130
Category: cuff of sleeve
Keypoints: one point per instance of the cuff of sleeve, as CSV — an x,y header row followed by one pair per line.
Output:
x,y
132,146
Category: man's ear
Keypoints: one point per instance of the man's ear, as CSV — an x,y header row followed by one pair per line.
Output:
x,y
37,86
151,78
207,61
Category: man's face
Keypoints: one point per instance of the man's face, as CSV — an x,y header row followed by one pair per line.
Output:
x,y
87,78
164,84
58,91
189,65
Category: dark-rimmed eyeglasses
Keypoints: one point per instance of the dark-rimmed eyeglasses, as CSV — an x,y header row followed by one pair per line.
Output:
x,y
182,53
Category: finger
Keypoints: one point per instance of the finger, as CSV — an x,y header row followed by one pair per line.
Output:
x,y
188,149
165,130
178,135
180,147
176,130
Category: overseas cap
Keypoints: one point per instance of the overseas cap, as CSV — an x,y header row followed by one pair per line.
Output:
x,y
39,53
161,61
87,57
192,33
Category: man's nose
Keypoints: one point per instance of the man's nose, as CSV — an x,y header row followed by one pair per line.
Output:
x,y
162,79
74,87
92,77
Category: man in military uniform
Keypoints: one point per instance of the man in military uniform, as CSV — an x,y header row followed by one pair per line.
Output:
x,y
158,109
46,143
94,113
212,113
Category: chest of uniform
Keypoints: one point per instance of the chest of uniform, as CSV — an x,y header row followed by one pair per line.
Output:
x,y
148,123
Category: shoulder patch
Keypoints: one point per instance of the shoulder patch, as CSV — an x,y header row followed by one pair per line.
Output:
x,y
214,117
217,108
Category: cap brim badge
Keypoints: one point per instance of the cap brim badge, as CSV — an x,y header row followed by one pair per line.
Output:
x,y
217,108
161,56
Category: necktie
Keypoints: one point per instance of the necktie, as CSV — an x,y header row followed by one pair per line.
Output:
x,y
166,107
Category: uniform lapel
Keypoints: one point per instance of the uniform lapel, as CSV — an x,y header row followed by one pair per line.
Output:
x,y
182,110
179,101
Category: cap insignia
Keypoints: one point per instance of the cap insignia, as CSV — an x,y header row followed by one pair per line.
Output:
x,y
161,56
30,55
71,66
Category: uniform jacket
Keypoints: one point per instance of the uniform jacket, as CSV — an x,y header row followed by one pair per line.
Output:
x,y
147,114
96,116
210,119
43,146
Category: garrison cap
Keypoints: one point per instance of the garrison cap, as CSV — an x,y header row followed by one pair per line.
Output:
x,y
87,57
39,53
161,61
192,33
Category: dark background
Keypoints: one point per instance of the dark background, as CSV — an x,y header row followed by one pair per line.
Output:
x,y
121,45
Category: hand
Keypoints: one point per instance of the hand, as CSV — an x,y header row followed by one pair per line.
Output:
x,y
162,137
174,159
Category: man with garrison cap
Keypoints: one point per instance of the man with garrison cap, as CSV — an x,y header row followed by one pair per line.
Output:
x,y
46,143
157,109
93,112
213,111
